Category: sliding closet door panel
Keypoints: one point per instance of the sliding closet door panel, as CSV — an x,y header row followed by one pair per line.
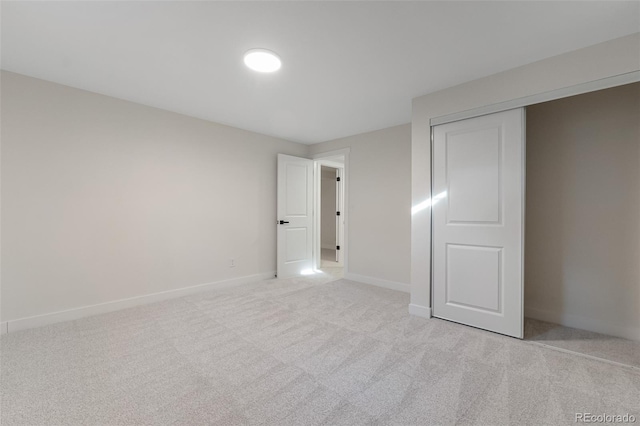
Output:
x,y
478,224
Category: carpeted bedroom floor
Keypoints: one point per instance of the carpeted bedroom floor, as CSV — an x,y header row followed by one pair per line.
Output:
x,y
305,351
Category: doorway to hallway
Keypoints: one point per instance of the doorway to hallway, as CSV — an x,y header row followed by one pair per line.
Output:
x,y
331,214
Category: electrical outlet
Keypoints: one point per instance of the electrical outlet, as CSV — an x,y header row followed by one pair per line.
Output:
x,y
232,263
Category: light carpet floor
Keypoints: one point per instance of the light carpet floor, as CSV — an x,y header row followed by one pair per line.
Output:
x,y
304,351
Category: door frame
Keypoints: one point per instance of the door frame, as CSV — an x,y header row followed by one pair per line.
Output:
x,y
338,159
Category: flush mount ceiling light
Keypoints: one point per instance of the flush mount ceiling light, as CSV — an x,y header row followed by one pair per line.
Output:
x,y
262,60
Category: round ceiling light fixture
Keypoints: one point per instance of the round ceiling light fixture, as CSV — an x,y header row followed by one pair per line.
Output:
x,y
262,60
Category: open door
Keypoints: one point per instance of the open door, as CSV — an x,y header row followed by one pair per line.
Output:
x,y
478,222
295,216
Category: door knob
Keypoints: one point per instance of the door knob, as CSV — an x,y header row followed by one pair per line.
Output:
x,y
282,222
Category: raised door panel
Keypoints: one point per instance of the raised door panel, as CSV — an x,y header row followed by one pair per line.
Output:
x,y
296,190
474,277
296,244
473,165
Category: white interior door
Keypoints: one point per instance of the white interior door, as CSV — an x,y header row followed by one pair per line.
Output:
x,y
478,221
295,216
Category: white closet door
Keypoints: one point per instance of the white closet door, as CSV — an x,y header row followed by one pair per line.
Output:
x,y
478,222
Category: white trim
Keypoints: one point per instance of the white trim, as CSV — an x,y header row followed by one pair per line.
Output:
x,y
116,305
317,216
578,89
4,328
419,311
583,323
523,206
330,163
378,282
335,153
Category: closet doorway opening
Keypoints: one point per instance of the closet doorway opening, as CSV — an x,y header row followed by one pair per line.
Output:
x,y
580,282
582,238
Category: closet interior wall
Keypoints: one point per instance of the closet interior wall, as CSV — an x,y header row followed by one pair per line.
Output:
x,y
582,239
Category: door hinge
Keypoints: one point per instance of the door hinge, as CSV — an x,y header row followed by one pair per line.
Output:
x,y
338,179
337,247
337,213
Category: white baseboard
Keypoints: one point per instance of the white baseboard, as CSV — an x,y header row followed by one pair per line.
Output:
x,y
116,305
392,285
4,328
420,311
583,323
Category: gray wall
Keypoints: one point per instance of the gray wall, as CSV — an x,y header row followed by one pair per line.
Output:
x,y
379,185
104,199
583,210
592,63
